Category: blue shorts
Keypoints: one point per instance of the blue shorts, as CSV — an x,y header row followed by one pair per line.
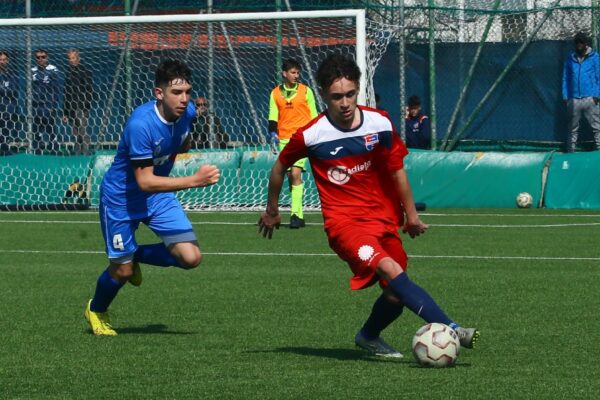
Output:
x,y
165,218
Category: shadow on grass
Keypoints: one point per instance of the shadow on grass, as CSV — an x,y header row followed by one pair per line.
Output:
x,y
337,354
151,329
351,355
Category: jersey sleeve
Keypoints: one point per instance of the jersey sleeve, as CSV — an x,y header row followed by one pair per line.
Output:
x,y
395,153
139,140
273,109
310,100
294,150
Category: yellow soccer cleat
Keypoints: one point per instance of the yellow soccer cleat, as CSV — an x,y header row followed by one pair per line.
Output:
x,y
136,278
99,322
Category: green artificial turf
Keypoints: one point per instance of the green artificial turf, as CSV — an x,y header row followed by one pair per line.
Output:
x,y
252,324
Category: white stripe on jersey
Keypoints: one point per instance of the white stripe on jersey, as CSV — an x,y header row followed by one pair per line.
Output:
x,y
323,131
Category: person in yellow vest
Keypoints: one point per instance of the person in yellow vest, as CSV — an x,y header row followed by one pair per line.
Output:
x,y
291,106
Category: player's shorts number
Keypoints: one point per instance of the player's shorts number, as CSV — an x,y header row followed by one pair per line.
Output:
x,y
118,242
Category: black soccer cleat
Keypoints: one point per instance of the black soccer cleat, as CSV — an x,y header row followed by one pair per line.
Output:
x,y
296,222
467,336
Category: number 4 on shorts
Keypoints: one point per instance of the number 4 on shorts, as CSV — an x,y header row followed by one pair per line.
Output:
x,y
118,242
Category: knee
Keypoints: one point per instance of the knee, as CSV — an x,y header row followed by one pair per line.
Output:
x,y
121,272
296,176
388,269
191,259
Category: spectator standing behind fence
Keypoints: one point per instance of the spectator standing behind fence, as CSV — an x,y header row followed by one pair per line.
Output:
x,y
8,103
45,86
581,90
78,100
418,127
201,137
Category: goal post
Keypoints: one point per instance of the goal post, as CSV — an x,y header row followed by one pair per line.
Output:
x,y
359,16
63,130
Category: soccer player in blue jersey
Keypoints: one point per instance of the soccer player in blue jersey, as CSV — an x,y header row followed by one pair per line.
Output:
x,y
137,188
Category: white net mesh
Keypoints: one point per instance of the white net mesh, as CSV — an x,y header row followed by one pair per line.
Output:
x,y
513,20
66,119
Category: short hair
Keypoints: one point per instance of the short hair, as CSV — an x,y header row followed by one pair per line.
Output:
x,y
289,64
170,69
4,53
414,101
334,67
582,37
40,50
72,50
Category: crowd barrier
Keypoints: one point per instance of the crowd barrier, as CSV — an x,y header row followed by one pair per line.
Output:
x,y
439,179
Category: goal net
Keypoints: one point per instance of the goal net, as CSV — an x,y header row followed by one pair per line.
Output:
x,y
72,83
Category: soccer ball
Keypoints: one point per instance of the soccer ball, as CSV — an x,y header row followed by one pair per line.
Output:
x,y
436,345
524,200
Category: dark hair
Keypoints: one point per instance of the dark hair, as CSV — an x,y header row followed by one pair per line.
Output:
x,y
582,37
414,101
171,69
334,67
40,50
289,64
4,53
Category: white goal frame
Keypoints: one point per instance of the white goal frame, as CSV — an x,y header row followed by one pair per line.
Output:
x,y
359,16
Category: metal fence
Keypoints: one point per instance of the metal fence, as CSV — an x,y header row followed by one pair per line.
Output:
x,y
488,71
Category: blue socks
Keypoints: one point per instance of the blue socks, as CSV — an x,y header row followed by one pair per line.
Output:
x,y
382,314
155,254
418,300
107,287
106,290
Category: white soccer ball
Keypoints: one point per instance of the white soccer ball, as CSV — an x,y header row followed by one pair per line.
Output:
x,y
524,200
436,345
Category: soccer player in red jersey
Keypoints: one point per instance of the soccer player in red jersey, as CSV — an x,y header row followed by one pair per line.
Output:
x,y
357,161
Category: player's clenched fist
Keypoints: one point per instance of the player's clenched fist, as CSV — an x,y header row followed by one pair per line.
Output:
x,y
207,175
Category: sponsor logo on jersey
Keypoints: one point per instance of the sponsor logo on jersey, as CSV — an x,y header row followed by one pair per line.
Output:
x,y
161,160
367,253
337,149
158,148
340,174
371,140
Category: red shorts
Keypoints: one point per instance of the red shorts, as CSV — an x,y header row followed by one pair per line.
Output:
x,y
362,246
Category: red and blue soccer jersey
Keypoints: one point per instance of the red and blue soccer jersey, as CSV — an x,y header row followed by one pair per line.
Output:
x,y
352,167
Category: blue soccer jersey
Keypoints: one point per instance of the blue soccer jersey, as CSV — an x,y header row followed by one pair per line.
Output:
x,y
147,135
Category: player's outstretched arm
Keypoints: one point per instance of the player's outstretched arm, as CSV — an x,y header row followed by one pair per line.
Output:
x,y
413,224
206,175
270,218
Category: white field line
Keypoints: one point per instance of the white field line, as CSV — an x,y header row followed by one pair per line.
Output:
x,y
8,221
431,214
508,215
257,254
516,226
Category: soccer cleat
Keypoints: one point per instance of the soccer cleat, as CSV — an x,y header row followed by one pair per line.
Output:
x,y
376,346
99,322
467,336
296,222
136,278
